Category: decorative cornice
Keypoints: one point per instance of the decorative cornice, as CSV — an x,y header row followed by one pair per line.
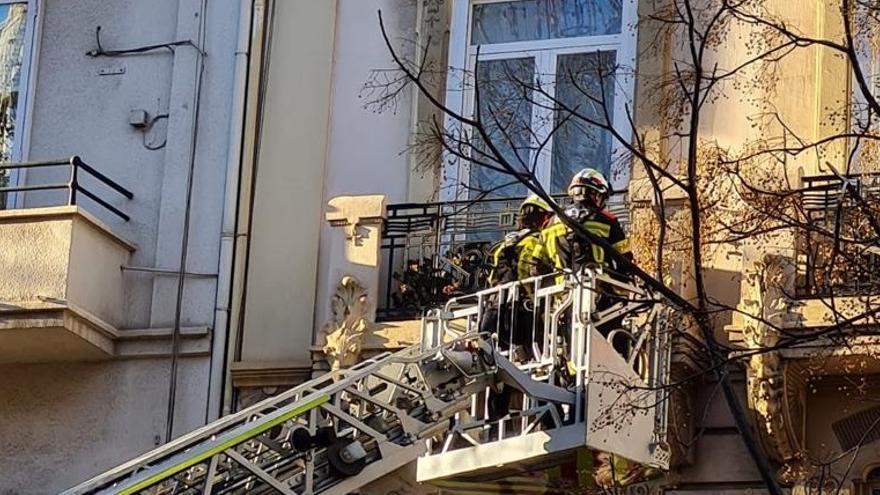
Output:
x,y
250,374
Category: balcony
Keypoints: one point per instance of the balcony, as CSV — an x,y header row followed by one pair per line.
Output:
x,y
829,208
400,260
819,279
431,252
61,295
830,271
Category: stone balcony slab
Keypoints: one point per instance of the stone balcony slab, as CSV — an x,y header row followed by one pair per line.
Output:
x,y
62,292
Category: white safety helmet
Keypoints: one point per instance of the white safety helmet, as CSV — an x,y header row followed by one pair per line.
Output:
x,y
588,180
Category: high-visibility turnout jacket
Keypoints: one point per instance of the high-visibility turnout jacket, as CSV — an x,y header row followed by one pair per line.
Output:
x,y
512,257
560,248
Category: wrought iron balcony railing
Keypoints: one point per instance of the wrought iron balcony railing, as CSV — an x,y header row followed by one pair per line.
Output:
x,y
839,249
434,251
73,185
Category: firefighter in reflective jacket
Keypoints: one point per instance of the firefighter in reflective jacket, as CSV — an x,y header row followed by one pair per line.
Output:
x,y
514,322
512,257
560,248
511,261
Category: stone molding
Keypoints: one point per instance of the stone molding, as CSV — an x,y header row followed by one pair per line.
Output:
x,y
344,334
59,331
260,374
775,388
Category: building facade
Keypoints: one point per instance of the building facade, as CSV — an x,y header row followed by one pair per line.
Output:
x,y
784,394
273,161
142,92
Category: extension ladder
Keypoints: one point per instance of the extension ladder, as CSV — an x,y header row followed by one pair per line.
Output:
x,y
429,403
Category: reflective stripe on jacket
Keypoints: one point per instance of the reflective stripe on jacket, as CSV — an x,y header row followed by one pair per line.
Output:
x,y
512,257
560,248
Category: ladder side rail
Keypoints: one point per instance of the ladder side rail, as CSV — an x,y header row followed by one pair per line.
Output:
x,y
330,401
248,415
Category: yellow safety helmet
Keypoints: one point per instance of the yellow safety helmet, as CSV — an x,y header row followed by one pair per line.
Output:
x,y
533,203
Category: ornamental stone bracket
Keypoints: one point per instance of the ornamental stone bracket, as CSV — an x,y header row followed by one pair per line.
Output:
x,y
349,287
349,325
775,388
354,253
351,335
361,218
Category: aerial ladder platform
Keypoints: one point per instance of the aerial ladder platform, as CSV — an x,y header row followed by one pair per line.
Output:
x,y
585,378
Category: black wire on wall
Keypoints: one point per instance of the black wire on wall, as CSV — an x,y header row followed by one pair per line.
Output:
x,y
170,46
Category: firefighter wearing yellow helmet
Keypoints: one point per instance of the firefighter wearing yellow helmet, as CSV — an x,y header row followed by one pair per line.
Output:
x,y
512,261
512,257
561,249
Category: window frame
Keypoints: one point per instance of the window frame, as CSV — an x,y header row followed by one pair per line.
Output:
x,y
463,168
869,59
460,99
866,483
27,81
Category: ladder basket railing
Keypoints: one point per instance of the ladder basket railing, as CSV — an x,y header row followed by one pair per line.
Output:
x,y
547,330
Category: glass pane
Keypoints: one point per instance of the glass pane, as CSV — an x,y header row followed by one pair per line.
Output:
x,y
13,20
527,20
581,78
506,111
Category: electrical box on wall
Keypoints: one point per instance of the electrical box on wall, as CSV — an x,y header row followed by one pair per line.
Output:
x,y
138,118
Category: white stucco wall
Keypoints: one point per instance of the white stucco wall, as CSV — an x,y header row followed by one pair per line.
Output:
x,y
77,111
63,424
287,212
367,151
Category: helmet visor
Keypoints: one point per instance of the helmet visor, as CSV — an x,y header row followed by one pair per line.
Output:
x,y
586,194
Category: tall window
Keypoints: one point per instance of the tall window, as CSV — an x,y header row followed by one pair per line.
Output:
x,y
536,57
15,36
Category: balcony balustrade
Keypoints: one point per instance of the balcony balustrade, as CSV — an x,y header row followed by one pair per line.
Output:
x,y
839,251
431,252
61,293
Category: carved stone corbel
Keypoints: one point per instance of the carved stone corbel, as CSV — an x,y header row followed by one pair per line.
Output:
x,y
349,324
775,388
361,218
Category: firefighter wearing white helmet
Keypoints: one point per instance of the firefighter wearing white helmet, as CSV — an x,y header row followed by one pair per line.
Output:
x,y
561,249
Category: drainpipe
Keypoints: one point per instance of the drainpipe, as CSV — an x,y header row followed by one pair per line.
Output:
x,y
230,208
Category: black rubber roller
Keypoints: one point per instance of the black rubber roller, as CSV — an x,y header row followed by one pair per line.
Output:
x,y
346,458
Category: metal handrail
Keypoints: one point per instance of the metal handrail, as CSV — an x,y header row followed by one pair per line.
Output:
x,y
73,185
825,205
441,249
566,320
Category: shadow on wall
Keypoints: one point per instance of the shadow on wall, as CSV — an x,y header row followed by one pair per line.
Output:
x,y
725,286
